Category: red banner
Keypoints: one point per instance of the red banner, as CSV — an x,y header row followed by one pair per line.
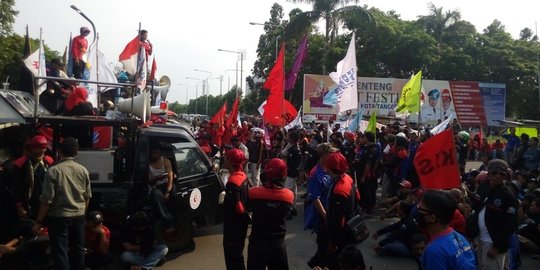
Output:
x,y
436,162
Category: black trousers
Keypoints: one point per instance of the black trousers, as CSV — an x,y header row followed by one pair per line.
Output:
x,y
234,238
78,69
267,252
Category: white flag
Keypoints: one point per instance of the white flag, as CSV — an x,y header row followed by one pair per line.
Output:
x,y
442,126
261,108
345,77
98,63
36,64
297,122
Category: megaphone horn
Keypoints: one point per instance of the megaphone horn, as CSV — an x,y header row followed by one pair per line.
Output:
x,y
141,105
163,88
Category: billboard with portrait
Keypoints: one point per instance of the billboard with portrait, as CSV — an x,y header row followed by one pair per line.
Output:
x,y
472,103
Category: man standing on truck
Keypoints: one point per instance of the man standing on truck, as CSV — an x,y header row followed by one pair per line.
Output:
x,y
65,197
235,216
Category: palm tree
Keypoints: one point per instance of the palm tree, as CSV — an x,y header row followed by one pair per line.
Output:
x,y
437,22
335,13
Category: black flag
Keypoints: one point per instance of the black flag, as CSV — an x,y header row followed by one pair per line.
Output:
x,y
26,79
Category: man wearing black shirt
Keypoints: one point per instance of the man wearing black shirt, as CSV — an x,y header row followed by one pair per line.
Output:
x,y
293,155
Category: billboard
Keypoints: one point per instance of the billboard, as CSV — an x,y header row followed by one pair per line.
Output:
x,y
472,103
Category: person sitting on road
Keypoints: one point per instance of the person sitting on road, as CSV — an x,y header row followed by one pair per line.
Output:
x,y
141,250
397,241
97,241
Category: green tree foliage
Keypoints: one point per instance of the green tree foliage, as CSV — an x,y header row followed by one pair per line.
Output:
x,y
7,17
11,56
441,43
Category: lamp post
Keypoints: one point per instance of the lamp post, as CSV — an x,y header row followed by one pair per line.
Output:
x,y
205,88
271,25
220,78
187,91
229,78
241,55
196,91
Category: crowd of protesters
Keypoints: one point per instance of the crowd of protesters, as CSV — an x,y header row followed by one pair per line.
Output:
x,y
489,220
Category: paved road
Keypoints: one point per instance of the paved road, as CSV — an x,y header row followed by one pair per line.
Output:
x,y
207,251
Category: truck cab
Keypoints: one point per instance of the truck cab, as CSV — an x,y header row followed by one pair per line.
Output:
x,y
118,160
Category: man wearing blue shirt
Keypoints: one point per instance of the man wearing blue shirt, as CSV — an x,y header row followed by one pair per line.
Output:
x,y
447,249
512,142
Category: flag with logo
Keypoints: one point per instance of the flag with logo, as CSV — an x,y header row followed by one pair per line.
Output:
x,y
410,94
36,64
346,79
100,71
297,122
436,162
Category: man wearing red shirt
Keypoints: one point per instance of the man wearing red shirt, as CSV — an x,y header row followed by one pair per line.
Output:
x,y
79,48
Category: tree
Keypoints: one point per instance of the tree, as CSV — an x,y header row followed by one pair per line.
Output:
x,y
7,17
438,21
335,13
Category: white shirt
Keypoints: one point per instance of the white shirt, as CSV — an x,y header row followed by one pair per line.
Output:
x,y
483,231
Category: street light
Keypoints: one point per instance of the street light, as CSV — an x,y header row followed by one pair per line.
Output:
x,y
187,91
220,78
207,86
196,91
241,55
271,25
229,78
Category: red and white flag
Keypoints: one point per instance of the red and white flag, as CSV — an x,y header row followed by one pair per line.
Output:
x,y
128,57
436,162
36,64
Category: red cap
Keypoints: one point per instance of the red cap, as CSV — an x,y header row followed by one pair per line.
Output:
x,y
405,184
337,163
446,95
38,141
235,156
275,169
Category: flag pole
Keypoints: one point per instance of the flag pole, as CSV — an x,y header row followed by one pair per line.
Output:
x,y
36,91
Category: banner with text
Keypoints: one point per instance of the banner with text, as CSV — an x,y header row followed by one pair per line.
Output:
x,y
472,103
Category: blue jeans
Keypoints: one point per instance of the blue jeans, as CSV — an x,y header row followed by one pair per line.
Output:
x,y
396,248
66,236
148,262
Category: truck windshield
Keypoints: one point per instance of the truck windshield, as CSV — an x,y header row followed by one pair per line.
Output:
x,y
189,162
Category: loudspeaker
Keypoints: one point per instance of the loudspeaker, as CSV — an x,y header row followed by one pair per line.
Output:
x,y
141,105
163,88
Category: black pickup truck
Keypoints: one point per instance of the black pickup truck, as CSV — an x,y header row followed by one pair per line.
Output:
x,y
119,171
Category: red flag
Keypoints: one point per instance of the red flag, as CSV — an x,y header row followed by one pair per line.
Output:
x,y
232,119
436,162
277,110
128,57
153,70
219,117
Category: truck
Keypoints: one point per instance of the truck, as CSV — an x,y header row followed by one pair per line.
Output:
x,y
118,166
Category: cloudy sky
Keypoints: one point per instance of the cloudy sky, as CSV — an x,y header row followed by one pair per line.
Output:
x,y
187,34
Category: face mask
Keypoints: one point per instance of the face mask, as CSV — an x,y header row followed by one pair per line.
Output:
x,y
419,218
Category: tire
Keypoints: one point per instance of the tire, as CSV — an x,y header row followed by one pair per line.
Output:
x,y
178,239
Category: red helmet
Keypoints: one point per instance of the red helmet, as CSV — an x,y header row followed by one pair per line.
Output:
x,y
38,141
276,169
